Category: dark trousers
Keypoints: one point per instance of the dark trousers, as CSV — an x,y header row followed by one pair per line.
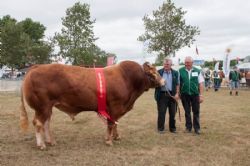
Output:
x,y
191,102
216,84
165,102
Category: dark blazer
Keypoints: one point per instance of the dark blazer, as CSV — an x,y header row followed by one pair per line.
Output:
x,y
175,82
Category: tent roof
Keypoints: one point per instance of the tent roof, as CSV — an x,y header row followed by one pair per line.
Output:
x,y
247,59
244,65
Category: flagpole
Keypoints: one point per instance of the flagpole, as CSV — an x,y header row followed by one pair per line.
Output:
x,y
197,52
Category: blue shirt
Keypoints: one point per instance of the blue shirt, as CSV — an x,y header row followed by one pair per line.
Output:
x,y
167,76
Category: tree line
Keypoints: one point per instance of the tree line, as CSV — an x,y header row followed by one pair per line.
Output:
x,y
23,43
211,64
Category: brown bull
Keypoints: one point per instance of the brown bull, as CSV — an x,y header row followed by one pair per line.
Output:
x,y
73,89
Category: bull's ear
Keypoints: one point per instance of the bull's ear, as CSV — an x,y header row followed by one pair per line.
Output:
x,y
147,66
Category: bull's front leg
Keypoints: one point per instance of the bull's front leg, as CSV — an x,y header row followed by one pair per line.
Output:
x,y
116,135
110,130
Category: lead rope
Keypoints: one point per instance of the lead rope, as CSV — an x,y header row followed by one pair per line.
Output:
x,y
177,104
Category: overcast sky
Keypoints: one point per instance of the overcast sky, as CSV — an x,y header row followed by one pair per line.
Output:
x,y
223,24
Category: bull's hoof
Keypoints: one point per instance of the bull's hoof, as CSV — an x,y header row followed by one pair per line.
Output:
x,y
51,143
109,143
41,147
117,138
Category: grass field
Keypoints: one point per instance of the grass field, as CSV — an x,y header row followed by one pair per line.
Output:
x,y
224,141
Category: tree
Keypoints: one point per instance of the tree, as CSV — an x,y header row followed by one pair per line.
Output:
x,y
40,53
3,21
209,64
35,30
166,31
13,44
6,19
76,40
22,43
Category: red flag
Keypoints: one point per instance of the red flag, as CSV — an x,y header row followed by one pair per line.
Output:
x,y
197,52
110,60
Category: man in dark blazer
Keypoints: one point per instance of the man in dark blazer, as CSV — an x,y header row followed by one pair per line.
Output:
x,y
166,96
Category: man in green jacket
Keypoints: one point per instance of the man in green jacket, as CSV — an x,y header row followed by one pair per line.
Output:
x,y
166,96
191,89
234,77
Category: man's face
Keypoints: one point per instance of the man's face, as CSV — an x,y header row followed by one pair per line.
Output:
x,y
167,65
188,64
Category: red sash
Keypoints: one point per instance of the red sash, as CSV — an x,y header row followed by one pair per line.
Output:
x,y
101,94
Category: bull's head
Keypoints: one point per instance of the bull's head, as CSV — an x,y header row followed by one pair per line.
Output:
x,y
154,77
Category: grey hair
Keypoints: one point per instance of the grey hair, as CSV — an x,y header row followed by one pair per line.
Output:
x,y
168,60
189,58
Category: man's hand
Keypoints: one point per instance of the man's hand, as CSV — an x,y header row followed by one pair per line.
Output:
x,y
201,99
176,97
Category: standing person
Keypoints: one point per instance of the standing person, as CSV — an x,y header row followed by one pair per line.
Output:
x,y
234,78
248,78
221,75
163,98
243,81
216,78
207,79
191,89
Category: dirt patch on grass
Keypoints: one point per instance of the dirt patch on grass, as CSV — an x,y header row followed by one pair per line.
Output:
x,y
225,137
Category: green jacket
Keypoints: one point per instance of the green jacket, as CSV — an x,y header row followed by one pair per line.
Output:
x,y
234,76
175,82
189,86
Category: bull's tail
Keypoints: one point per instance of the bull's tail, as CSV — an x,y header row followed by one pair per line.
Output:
x,y
24,123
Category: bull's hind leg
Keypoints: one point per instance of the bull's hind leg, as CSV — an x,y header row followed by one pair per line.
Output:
x,y
41,123
48,136
39,129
